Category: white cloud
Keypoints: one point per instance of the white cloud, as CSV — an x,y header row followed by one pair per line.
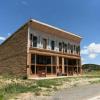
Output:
x,y
2,38
92,56
92,50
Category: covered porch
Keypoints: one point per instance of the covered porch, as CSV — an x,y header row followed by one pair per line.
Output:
x,y
52,66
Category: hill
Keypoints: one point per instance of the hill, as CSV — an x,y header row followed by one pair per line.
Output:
x,y
91,67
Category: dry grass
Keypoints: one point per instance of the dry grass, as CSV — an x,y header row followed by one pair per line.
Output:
x,y
10,87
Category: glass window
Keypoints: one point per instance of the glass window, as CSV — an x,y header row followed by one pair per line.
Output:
x,y
34,41
44,43
52,45
60,46
71,48
65,47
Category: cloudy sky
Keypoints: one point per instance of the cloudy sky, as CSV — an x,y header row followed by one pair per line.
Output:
x,y
78,16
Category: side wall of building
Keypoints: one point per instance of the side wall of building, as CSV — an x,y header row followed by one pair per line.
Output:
x,y
13,53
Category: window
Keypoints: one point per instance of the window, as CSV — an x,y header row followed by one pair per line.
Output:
x,y
52,45
60,46
44,43
34,41
68,46
65,47
71,48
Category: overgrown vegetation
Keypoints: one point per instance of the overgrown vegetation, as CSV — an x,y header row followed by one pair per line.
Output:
x,y
11,86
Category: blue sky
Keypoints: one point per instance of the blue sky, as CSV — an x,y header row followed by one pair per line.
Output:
x,y
78,16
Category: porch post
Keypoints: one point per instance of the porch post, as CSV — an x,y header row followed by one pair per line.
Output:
x,y
28,64
51,65
57,67
63,69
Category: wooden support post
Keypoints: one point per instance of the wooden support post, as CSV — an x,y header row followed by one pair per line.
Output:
x,y
57,61
67,67
51,65
63,69
28,64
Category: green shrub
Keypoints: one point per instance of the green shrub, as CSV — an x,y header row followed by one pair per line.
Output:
x,y
1,96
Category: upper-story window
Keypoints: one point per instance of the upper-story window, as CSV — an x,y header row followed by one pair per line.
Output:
x,y
44,43
68,46
52,45
60,46
34,41
71,48
65,47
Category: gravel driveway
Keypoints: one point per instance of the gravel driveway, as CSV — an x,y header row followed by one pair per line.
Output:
x,y
85,92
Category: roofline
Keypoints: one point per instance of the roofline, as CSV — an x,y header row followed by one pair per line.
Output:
x,y
56,28
42,23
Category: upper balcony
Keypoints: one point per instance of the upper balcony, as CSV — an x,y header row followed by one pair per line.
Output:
x,y
52,46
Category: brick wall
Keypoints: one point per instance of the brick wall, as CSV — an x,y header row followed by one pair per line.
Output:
x,y
13,54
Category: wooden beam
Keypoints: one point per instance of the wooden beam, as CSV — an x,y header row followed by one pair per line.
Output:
x,y
29,72
51,65
63,69
53,53
57,61
67,67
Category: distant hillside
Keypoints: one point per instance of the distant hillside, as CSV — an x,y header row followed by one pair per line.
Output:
x,y
91,67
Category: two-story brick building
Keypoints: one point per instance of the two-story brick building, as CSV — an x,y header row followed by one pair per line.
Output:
x,y
37,49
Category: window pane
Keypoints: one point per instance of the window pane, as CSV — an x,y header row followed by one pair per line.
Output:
x,y
60,46
44,43
52,45
34,41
